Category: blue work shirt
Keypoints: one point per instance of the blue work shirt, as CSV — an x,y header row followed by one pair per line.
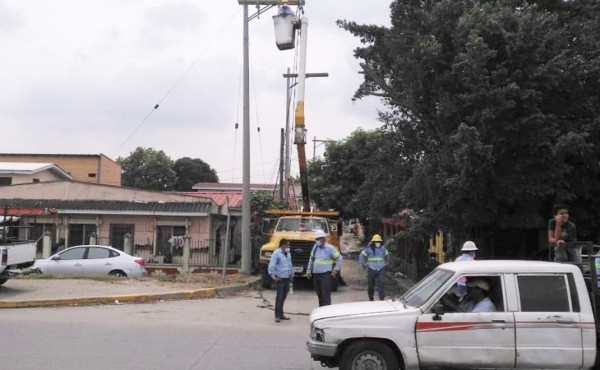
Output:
x,y
462,281
321,259
485,305
280,265
374,257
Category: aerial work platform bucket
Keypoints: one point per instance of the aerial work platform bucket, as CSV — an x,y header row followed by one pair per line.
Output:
x,y
285,34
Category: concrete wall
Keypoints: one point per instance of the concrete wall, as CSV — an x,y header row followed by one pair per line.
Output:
x,y
97,169
42,176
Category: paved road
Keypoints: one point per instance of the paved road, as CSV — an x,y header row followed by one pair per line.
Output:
x,y
231,332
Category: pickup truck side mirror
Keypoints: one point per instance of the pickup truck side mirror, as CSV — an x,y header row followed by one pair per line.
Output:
x,y
438,310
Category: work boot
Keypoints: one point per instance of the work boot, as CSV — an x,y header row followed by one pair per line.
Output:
x,y
277,319
370,298
381,297
284,318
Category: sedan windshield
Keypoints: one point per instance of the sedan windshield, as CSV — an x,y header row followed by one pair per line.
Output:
x,y
424,289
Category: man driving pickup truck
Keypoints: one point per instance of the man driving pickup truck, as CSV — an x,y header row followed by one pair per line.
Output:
x,y
477,291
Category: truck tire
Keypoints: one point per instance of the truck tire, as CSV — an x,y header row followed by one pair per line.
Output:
x,y
368,354
265,279
3,279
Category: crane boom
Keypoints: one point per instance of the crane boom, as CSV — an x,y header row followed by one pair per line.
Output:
x,y
300,128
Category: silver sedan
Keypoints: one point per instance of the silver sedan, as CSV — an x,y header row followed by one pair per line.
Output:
x,y
92,260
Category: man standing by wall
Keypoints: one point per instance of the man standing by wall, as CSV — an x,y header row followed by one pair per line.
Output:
x,y
281,271
320,265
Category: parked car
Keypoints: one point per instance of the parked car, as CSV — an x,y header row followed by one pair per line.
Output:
x,y
92,260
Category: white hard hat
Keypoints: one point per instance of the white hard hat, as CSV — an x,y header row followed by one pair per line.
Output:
x,y
320,234
468,246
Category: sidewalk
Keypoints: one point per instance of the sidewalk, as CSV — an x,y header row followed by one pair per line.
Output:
x,y
20,293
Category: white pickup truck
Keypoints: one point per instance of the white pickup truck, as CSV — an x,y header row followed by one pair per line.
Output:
x,y
542,318
14,257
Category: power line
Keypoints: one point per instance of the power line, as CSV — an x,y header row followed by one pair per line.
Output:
x,y
157,105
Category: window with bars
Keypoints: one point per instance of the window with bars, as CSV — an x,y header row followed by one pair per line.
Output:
x,y
117,234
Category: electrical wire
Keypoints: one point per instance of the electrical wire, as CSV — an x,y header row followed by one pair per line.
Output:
x,y
237,120
256,110
157,105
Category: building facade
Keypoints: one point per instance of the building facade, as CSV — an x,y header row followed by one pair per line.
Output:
x,y
91,168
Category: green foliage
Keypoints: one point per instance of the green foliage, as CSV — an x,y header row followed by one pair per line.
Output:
x,y
493,105
191,171
262,201
360,176
146,168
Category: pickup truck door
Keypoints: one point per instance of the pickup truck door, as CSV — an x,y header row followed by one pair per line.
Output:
x,y
467,340
548,322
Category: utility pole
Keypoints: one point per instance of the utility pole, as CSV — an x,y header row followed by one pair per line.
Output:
x,y
315,141
281,149
287,136
288,76
246,267
246,195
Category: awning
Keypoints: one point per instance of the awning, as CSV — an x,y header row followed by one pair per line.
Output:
x,y
8,219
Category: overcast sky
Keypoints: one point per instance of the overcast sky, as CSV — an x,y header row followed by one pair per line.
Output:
x,y
82,77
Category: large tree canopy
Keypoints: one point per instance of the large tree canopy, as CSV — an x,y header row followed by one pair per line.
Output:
x,y
146,168
358,175
495,102
191,171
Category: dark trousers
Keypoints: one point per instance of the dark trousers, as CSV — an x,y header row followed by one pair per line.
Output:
x,y
375,277
322,284
283,288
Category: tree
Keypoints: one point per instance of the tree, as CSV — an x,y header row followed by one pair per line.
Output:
x,y
191,171
360,176
494,105
146,168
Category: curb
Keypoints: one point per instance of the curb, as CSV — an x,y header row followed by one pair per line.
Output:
x,y
132,298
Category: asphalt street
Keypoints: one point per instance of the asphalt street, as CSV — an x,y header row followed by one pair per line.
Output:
x,y
235,331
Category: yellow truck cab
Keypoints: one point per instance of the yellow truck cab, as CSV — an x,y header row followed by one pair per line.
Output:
x,y
299,229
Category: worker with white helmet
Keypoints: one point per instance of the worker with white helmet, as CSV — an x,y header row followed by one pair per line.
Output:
x,y
374,258
320,266
468,254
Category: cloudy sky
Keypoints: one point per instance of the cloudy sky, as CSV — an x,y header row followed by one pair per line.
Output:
x,y
82,77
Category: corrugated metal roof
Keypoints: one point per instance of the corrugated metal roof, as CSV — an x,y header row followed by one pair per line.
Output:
x,y
117,206
29,168
220,198
221,186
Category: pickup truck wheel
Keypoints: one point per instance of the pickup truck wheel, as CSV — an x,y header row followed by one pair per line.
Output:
x,y
368,354
3,280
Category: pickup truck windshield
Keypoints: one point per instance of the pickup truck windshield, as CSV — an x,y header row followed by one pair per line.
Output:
x,y
423,290
302,224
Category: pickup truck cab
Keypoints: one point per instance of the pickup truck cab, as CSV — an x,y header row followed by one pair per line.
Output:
x,y
542,318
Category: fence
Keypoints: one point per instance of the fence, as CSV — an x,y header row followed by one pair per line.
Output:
x,y
166,253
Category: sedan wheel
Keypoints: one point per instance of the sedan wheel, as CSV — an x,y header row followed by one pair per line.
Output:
x,y
368,355
119,274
